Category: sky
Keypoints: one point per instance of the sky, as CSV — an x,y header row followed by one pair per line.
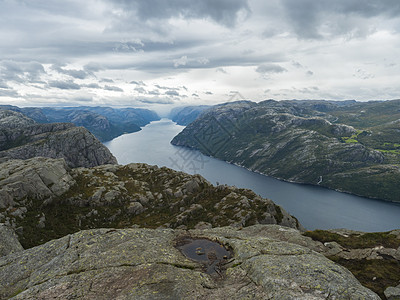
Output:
x,y
158,54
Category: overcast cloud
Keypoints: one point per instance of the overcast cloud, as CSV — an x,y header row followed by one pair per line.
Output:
x,y
154,53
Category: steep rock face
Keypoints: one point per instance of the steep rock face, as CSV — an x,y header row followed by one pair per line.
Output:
x,y
8,241
292,141
76,145
144,264
40,178
43,199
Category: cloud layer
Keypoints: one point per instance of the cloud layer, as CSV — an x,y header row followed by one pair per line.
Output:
x,y
156,53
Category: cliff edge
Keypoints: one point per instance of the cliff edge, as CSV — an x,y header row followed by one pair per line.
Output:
x,y
23,138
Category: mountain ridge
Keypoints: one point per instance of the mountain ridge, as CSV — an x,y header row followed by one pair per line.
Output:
x,y
23,138
293,141
105,123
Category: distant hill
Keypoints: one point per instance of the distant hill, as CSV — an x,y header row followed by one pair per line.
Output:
x,y
23,138
105,123
186,114
348,146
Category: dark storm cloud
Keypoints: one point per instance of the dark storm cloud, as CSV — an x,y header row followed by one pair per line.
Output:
x,y
308,16
97,44
64,85
224,12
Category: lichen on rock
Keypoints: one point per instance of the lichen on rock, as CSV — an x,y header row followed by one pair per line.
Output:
x,y
144,264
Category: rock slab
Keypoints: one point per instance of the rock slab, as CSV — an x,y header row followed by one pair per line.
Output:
x,y
8,241
145,264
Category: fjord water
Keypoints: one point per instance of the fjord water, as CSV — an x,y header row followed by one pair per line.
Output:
x,y
314,206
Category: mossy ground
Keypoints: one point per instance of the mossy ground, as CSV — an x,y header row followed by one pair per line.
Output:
x,y
375,274
163,197
354,241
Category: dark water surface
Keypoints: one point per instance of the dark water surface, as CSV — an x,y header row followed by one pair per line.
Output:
x,y
315,207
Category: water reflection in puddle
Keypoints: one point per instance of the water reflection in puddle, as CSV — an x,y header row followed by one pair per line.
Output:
x,y
211,254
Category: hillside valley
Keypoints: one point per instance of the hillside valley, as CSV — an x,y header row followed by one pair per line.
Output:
x,y
68,213
105,123
347,146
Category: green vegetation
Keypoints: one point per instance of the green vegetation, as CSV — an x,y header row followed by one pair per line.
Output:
x,y
139,195
375,274
13,143
367,240
353,138
355,147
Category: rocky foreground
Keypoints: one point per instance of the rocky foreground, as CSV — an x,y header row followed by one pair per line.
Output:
x,y
266,262
43,199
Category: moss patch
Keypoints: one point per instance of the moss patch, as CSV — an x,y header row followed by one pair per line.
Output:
x,y
375,274
362,241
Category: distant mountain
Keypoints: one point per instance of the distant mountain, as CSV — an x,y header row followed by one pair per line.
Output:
x,y
352,146
187,114
139,116
23,138
105,123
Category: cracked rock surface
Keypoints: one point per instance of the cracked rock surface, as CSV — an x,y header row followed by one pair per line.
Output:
x,y
145,264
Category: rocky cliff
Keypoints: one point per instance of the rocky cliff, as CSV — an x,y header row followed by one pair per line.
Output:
x,y
8,241
22,138
303,142
43,199
260,262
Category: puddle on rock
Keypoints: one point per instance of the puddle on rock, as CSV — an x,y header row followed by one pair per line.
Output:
x,y
211,254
